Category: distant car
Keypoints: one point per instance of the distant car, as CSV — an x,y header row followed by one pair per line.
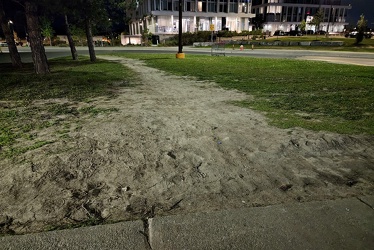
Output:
x,y
295,33
307,32
320,32
353,34
3,44
279,33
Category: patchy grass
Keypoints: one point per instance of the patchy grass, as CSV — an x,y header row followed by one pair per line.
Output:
x,y
78,81
93,111
30,103
292,93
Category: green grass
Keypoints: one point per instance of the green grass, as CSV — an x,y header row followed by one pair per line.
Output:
x,y
93,111
30,103
292,93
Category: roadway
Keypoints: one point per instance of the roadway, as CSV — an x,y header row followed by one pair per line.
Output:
x,y
359,58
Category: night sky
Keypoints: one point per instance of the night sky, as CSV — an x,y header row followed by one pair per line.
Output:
x,y
359,7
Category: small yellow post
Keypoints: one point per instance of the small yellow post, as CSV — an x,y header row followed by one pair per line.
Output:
x,y
180,55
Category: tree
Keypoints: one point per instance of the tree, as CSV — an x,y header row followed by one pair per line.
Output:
x,y
34,34
258,21
37,49
73,50
302,25
318,19
61,9
146,37
13,51
116,19
90,42
78,34
361,28
47,30
88,14
93,14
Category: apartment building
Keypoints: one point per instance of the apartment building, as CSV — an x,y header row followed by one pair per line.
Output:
x,y
287,15
161,17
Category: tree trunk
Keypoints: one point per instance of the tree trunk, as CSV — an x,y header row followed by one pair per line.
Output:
x,y
73,50
13,51
37,49
90,42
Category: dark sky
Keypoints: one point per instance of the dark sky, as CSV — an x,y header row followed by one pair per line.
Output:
x,y
359,7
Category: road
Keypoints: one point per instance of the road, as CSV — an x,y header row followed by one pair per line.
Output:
x,y
331,56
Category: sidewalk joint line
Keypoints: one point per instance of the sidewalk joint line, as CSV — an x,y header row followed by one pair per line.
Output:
x,y
145,233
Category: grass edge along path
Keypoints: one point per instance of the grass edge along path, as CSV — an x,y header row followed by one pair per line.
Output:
x,y
314,95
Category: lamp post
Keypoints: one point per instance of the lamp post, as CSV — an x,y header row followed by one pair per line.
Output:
x,y
11,29
180,54
10,24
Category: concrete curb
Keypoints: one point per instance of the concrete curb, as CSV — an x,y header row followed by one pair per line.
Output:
x,y
337,224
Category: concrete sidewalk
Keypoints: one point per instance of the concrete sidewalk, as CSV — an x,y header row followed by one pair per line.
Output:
x,y
340,60
338,224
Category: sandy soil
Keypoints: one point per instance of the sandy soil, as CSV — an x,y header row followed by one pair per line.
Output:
x,y
176,145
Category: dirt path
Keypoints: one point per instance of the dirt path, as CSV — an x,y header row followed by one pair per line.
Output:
x,y
177,146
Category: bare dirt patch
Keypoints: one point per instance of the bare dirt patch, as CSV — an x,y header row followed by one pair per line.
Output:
x,y
176,145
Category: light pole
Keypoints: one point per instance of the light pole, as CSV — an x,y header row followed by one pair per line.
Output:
x,y
180,54
10,24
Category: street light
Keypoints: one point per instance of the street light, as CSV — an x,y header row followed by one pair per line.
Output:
x,y
10,24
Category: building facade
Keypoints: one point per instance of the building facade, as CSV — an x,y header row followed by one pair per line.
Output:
x,y
161,17
287,15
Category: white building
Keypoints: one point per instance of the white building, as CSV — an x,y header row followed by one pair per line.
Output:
x,y
287,15
161,17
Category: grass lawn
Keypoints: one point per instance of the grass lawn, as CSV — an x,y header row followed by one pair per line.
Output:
x,y
313,95
30,103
